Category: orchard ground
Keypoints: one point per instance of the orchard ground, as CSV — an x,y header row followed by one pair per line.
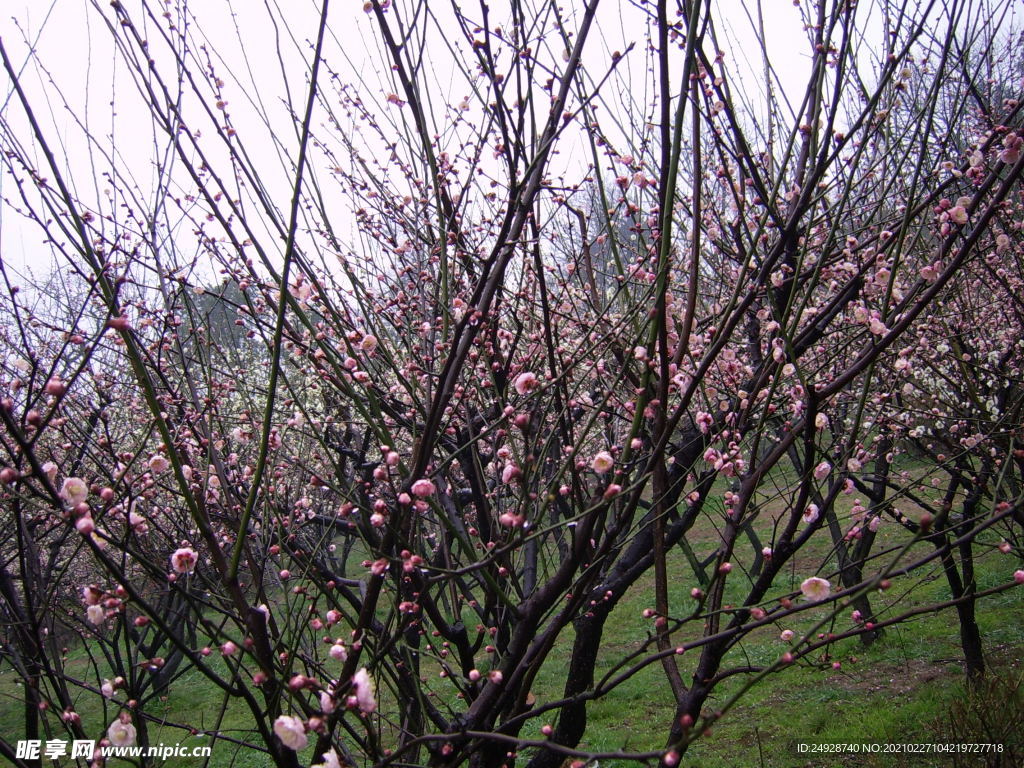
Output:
x,y
907,687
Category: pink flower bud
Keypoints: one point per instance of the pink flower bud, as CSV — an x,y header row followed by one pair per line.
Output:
x,y
613,489
56,387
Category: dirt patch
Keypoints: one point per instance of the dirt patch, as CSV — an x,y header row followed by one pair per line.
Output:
x,y
895,678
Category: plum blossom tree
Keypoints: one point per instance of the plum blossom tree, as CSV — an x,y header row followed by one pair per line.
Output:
x,y
399,341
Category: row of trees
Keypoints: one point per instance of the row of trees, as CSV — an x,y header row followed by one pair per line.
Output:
x,y
366,451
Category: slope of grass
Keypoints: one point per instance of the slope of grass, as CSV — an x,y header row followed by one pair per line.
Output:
x,y
898,690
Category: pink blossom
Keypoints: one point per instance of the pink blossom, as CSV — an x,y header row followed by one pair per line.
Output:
x,y
821,471
301,289
1018,577
704,421
1012,144
119,323
158,464
95,614
56,387
526,383
368,344
510,519
292,732
422,488
787,635
815,588
338,652
138,523
183,560
330,759
362,684
74,490
602,462
121,732
613,489
810,514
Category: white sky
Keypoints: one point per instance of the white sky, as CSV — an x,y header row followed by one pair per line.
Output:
x,y
74,47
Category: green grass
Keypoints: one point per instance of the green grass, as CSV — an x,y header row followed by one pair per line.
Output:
x,y
897,690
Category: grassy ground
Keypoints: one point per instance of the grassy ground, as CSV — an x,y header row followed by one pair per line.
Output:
x,y
899,690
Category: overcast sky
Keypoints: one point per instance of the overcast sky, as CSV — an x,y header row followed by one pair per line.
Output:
x,y
265,51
